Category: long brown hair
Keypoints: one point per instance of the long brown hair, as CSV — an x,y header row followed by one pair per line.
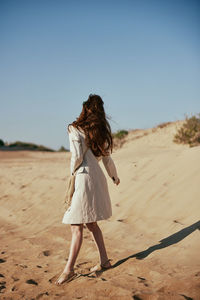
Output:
x,y
93,122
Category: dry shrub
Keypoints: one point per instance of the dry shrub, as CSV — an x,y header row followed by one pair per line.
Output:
x,y
189,133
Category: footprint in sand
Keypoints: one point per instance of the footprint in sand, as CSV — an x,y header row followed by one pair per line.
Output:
x,y
2,286
86,237
143,280
2,260
31,281
135,297
14,278
23,266
46,252
103,279
41,295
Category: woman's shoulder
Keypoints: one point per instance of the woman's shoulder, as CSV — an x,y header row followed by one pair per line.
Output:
x,y
72,130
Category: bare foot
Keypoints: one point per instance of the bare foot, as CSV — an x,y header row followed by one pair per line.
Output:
x,y
65,277
100,267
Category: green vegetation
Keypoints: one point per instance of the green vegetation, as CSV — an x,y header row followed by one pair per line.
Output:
x,y
120,134
119,138
23,146
63,149
2,142
29,146
189,133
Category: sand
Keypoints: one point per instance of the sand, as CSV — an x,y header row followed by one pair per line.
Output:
x,y
152,237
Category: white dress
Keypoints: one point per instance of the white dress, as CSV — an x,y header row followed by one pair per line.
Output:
x,y
91,201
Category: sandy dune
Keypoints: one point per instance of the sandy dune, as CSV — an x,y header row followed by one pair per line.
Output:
x,y
152,237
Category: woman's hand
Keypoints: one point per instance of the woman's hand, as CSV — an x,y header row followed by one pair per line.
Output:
x,y
116,181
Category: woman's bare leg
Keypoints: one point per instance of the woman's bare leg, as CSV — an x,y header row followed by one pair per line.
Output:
x,y
77,238
98,238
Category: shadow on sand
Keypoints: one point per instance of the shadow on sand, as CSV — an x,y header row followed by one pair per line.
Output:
x,y
166,242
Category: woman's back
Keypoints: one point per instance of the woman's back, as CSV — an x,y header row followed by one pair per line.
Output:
x,y
84,156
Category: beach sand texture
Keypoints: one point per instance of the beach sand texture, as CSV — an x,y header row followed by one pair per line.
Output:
x,y
152,237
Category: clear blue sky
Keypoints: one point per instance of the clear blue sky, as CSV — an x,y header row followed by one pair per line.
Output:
x,y
142,57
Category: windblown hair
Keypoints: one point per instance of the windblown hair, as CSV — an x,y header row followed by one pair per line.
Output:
x,y
93,122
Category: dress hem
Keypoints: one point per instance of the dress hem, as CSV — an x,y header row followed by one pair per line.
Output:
x,y
99,219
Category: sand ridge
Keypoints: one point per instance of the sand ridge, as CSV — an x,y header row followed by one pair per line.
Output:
x,y
152,236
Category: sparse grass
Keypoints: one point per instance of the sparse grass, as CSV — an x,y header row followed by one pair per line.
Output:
x,y
161,126
164,124
189,133
118,138
120,134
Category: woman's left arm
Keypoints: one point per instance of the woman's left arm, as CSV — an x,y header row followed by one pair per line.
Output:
x,y
110,168
75,149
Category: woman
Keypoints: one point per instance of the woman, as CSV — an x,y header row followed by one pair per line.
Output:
x,y
90,141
